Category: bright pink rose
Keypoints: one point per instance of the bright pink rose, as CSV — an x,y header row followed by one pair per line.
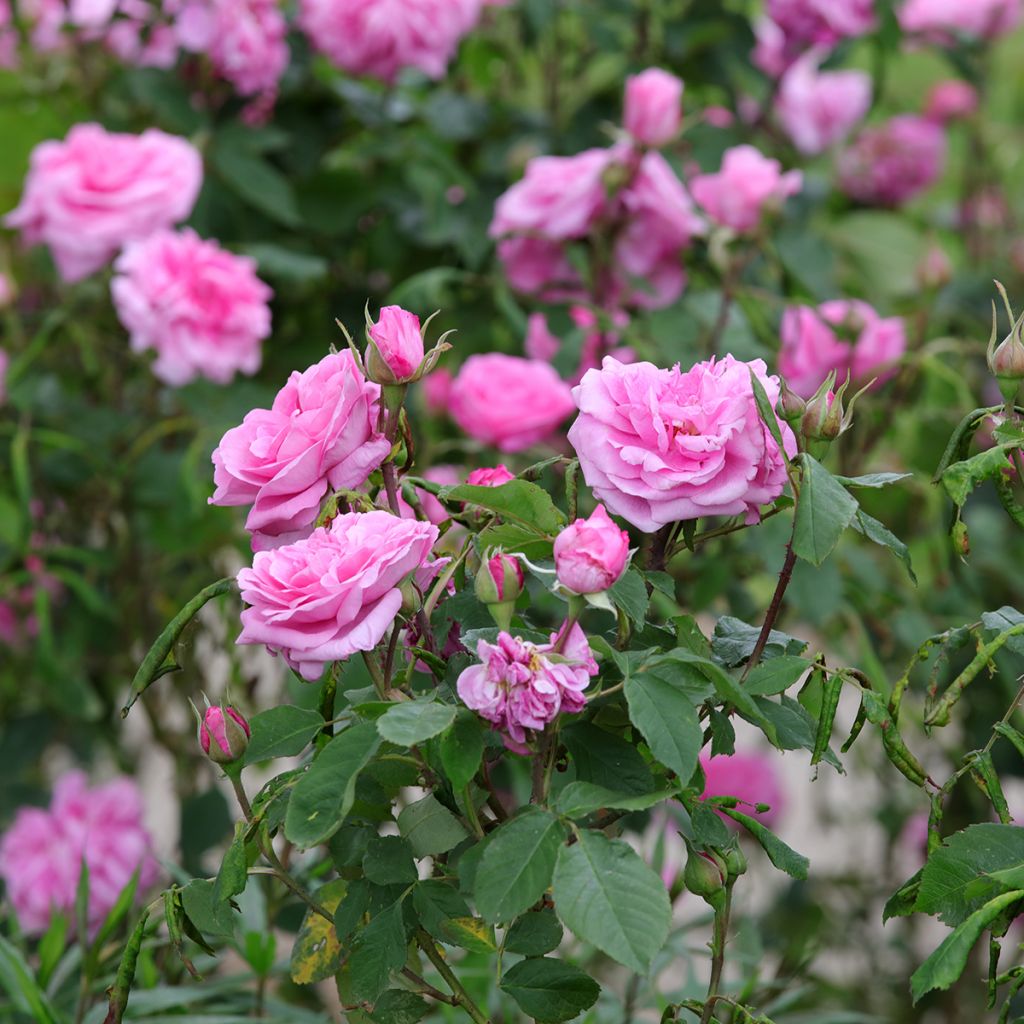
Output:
x,y
823,21
540,342
381,37
658,446
509,402
201,309
226,735
819,108
747,185
752,778
490,477
848,337
334,593
653,107
41,853
399,341
591,554
89,195
773,52
518,689
941,21
891,163
320,434
951,100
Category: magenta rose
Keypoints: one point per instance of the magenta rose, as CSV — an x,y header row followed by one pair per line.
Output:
x,y
320,434
941,21
509,402
334,593
591,554
658,446
653,108
399,341
490,476
89,195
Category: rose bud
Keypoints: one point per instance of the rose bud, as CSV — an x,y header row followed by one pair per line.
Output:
x,y
704,878
790,406
224,735
1006,361
498,584
826,417
591,554
653,107
395,351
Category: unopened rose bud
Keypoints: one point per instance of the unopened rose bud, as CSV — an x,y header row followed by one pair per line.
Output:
x,y
498,585
653,108
591,554
735,861
412,602
396,351
790,406
826,417
223,735
704,879
935,270
1006,360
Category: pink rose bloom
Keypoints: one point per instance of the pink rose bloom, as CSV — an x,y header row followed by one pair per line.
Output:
x,y
45,20
747,185
436,513
216,733
591,554
320,434
336,592
540,343
773,52
490,477
951,100
4,361
201,309
89,195
658,446
540,267
653,107
518,689
891,163
823,21
138,36
41,853
846,336
748,777
941,21
509,402
381,37
820,108
399,341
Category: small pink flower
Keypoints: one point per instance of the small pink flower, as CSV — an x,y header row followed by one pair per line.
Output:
x,y
509,402
951,100
490,477
437,388
540,342
399,341
224,737
87,196
653,107
941,21
591,554
748,777
336,592
719,117
748,184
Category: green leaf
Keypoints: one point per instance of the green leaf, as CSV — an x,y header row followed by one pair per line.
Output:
x,y
549,990
517,501
430,827
629,592
901,902
606,759
470,933
665,715
258,182
962,477
823,511
412,722
947,963
767,412
52,944
776,676
607,896
516,867
234,868
397,1006
435,902
881,534
874,480
283,731
462,749
389,861
324,795
17,981
734,641
208,916
378,949
534,934
317,952
277,261
581,798
782,856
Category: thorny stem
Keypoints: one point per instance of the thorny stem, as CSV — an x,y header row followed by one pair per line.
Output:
x,y
718,939
460,996
785,575
376,675
425,988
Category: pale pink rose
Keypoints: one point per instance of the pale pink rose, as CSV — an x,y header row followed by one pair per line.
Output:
x,y
227,741
891,163
653,109
658,446
381,37
845,336
334,593
519,690
41,853
751,778
951,100
4,361
941,21
437,387
820,108
91,13
509,402
202,309
823,22
748,184
319,435
488,476
591,554
399,341
89,195
540,343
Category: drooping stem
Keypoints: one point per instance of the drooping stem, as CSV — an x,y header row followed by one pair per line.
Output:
x,y
461,996
718,938
785,575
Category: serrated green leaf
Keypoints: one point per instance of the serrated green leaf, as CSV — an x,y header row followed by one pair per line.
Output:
x,y
470,933
388,861
549,990
629,592
316,953
462,749
824,510
534,933
415,721
517,501
782,856
430,827
776,675
379,948
582,798
666,716
283,731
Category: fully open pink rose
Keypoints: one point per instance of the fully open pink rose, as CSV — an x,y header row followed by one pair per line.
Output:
x,y
941,21
591,554
201,309
509,402
748,184
653,106
490,476
320,434
87,196
334,593
658,446
399,342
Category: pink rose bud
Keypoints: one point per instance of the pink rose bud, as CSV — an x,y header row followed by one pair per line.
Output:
x,y
396,351
224,735
500,579
653,106
591,554
951,100
488,476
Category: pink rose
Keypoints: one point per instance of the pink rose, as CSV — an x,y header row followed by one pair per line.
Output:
x,y
941,21
848,337
819,108
591,554
891,163
399,342
447,476
539,267
653,107
823,21
490,477
224,734
87,196
320,434
747,185
540,342
437,388
139,35
752,778
336,592
518,689
41,853
509,402
951,100
773,52
201,309
658,446
500,579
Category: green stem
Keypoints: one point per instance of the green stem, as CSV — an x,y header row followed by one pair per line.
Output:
x,y
459,994
718,939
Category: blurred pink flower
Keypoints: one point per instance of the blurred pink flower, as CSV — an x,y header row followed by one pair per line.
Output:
x,y
941,21
749,777
488,476
437,387
8,37
823,22
719,117
653,107
540,343
951,100
436,513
